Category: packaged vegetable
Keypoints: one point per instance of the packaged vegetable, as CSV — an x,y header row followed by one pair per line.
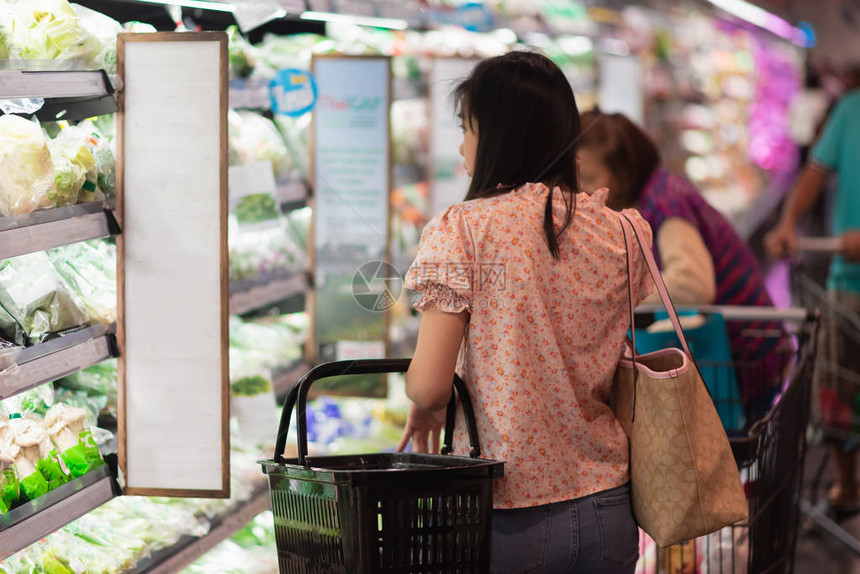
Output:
x,y
253,139
37,300
98,381
9,487
26,170
89,269
35,458
74,166
32,403
104,29
74,441
49,30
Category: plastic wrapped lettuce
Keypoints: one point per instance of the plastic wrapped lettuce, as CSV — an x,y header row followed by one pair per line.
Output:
x,y
89,269
36,300
74,166
26,170
104,29
49,30
254,138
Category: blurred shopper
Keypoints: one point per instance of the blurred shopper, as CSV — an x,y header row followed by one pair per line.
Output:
x,y
837,152
702,258
526,281
807,112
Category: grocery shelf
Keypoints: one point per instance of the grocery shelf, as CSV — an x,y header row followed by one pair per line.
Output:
x,y
68,94
36,519
247,296
57,358
49,228
284,379
189,548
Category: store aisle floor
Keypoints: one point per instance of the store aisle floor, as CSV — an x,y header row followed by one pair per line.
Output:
x,y
817,552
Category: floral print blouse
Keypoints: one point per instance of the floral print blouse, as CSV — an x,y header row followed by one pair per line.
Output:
x,y
543,337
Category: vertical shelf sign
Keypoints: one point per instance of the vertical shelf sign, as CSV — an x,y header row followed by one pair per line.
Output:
x,y
620,86
354,285
448,178
173,287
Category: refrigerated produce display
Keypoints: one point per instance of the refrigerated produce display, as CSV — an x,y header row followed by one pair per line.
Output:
x,y
715,97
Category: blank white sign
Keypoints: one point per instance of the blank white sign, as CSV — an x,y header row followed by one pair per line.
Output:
x,y
620,86
173,225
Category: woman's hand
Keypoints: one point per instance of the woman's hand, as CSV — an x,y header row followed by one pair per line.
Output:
x,y
423,429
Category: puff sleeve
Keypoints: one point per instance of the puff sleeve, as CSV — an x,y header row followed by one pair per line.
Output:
x,y
443,271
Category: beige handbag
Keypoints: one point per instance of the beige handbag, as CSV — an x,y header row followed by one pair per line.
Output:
x,y
684,479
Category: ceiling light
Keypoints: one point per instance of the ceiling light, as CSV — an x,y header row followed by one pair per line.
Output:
x,y
763,19
392,23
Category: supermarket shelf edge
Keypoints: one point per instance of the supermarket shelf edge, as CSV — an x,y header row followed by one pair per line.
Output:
x,y
57,358
258,296
69,94
188,549
51,228
58,508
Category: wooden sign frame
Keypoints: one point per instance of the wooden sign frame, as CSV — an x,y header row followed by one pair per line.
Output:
x,y
217,153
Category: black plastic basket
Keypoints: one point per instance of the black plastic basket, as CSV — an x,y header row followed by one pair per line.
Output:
x,y
388,512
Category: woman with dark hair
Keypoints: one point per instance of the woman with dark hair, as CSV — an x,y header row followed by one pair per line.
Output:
x,y
702,258
523,292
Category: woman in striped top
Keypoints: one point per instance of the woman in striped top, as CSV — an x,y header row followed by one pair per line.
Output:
x,y
702,258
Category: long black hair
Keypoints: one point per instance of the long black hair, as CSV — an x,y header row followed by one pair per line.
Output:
x,y
527,126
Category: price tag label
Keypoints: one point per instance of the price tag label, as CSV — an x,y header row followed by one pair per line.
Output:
x,y
293,92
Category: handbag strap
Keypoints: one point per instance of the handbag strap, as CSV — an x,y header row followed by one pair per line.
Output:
x,y
631,227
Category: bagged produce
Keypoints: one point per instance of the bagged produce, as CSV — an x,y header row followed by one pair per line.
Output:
x,y
49,30
34,457
98,382
73,439
74,166
9,487
36,300
253,139
104,29
89,269
26,170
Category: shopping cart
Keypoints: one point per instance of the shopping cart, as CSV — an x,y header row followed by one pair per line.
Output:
x,y
832,420
388,512
769,450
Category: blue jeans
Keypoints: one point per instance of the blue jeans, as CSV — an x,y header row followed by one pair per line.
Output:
x,y
595,534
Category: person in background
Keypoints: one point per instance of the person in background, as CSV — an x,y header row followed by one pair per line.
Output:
x,y
701,256
807,112
522,290
837,152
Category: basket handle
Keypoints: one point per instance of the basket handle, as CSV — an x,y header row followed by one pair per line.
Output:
x,y
298,395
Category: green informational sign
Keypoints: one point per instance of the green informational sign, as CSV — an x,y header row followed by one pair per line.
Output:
x,y
353,284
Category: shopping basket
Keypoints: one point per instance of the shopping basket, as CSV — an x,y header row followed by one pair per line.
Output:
x,y
386,512
770,455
